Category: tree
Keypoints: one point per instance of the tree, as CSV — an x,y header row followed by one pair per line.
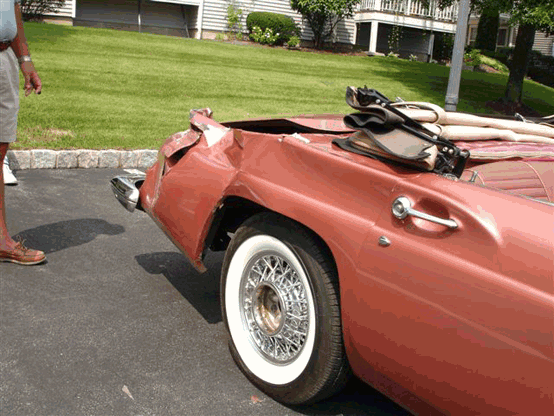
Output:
x,y
487,30
234,17
529,16
323,15
36,9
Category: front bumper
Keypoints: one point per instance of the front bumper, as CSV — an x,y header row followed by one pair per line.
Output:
x,y
126,190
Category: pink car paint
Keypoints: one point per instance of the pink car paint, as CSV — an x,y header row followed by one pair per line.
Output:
x,y
444,321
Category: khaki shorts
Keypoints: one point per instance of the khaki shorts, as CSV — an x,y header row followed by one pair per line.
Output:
x,y
9,96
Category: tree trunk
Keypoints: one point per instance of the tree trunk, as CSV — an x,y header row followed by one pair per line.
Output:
x,y
317,23
519,64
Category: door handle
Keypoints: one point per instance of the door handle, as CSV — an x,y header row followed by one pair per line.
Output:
x,y
402,207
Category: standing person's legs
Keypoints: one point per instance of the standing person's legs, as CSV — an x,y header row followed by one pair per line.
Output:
x,y
9,107
10,250
6,242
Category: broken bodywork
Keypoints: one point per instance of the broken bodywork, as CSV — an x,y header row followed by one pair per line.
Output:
x,y
445,281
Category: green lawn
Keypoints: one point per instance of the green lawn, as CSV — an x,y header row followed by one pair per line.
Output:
x,y
115,89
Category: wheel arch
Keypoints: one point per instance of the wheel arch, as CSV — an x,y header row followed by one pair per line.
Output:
x,y
234,211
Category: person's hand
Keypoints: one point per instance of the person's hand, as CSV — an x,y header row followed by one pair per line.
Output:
x,y
32,80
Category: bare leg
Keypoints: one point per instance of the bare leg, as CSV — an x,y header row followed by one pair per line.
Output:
x,y
10,250
6,242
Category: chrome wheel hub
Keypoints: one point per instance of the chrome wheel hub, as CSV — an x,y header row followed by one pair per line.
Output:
x,y
274,308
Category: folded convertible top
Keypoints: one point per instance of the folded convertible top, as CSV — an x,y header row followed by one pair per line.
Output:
x,y
396,130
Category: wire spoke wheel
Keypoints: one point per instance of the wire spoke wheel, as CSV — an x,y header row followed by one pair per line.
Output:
x,y
280,305
274,308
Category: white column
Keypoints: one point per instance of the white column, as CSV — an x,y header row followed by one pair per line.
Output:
x,y
511,36
139,16
199,18
430,47
373,37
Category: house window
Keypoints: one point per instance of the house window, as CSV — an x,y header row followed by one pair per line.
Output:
x,y
472,34
502,37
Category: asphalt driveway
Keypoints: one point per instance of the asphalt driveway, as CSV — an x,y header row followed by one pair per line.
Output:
x,y
117,322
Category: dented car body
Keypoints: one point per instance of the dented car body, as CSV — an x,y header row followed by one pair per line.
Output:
x,y
441,288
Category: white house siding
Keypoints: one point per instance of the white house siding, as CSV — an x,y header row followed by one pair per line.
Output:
x,y
66,10
63,15
160,7
166,15
170,18
544,43
116,12
215,17
123,14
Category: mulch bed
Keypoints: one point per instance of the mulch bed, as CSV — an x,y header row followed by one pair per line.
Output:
x,y
509,108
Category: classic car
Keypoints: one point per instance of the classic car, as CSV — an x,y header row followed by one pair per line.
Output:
x,y
406,246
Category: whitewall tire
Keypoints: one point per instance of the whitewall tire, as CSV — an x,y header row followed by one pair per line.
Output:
x,y
280,305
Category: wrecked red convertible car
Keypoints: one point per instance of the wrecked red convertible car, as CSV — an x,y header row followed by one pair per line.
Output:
x,y
410,247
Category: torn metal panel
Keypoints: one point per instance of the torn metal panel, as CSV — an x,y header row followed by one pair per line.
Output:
x,y
187,193
444,284
179,141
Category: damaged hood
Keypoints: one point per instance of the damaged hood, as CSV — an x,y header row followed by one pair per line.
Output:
x,y
321,123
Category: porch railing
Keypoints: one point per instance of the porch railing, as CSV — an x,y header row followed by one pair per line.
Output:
x,y
410,8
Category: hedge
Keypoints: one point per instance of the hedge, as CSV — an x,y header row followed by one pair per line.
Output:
x,y
541,67
279,23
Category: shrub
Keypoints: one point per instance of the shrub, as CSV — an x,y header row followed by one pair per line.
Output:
x,y
493,63
265,37
503,54
541,68
278,23
505,50
472,58
234,18
293,41
394,37
487,29
36,9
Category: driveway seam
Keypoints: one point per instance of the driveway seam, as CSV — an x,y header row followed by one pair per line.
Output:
x,y
81,158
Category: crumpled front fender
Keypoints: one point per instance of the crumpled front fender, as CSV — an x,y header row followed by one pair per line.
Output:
x,y
183,189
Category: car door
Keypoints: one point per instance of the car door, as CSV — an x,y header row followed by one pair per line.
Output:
x,y
459,313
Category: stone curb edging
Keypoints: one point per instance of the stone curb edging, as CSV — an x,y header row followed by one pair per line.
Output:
x,y
82,158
